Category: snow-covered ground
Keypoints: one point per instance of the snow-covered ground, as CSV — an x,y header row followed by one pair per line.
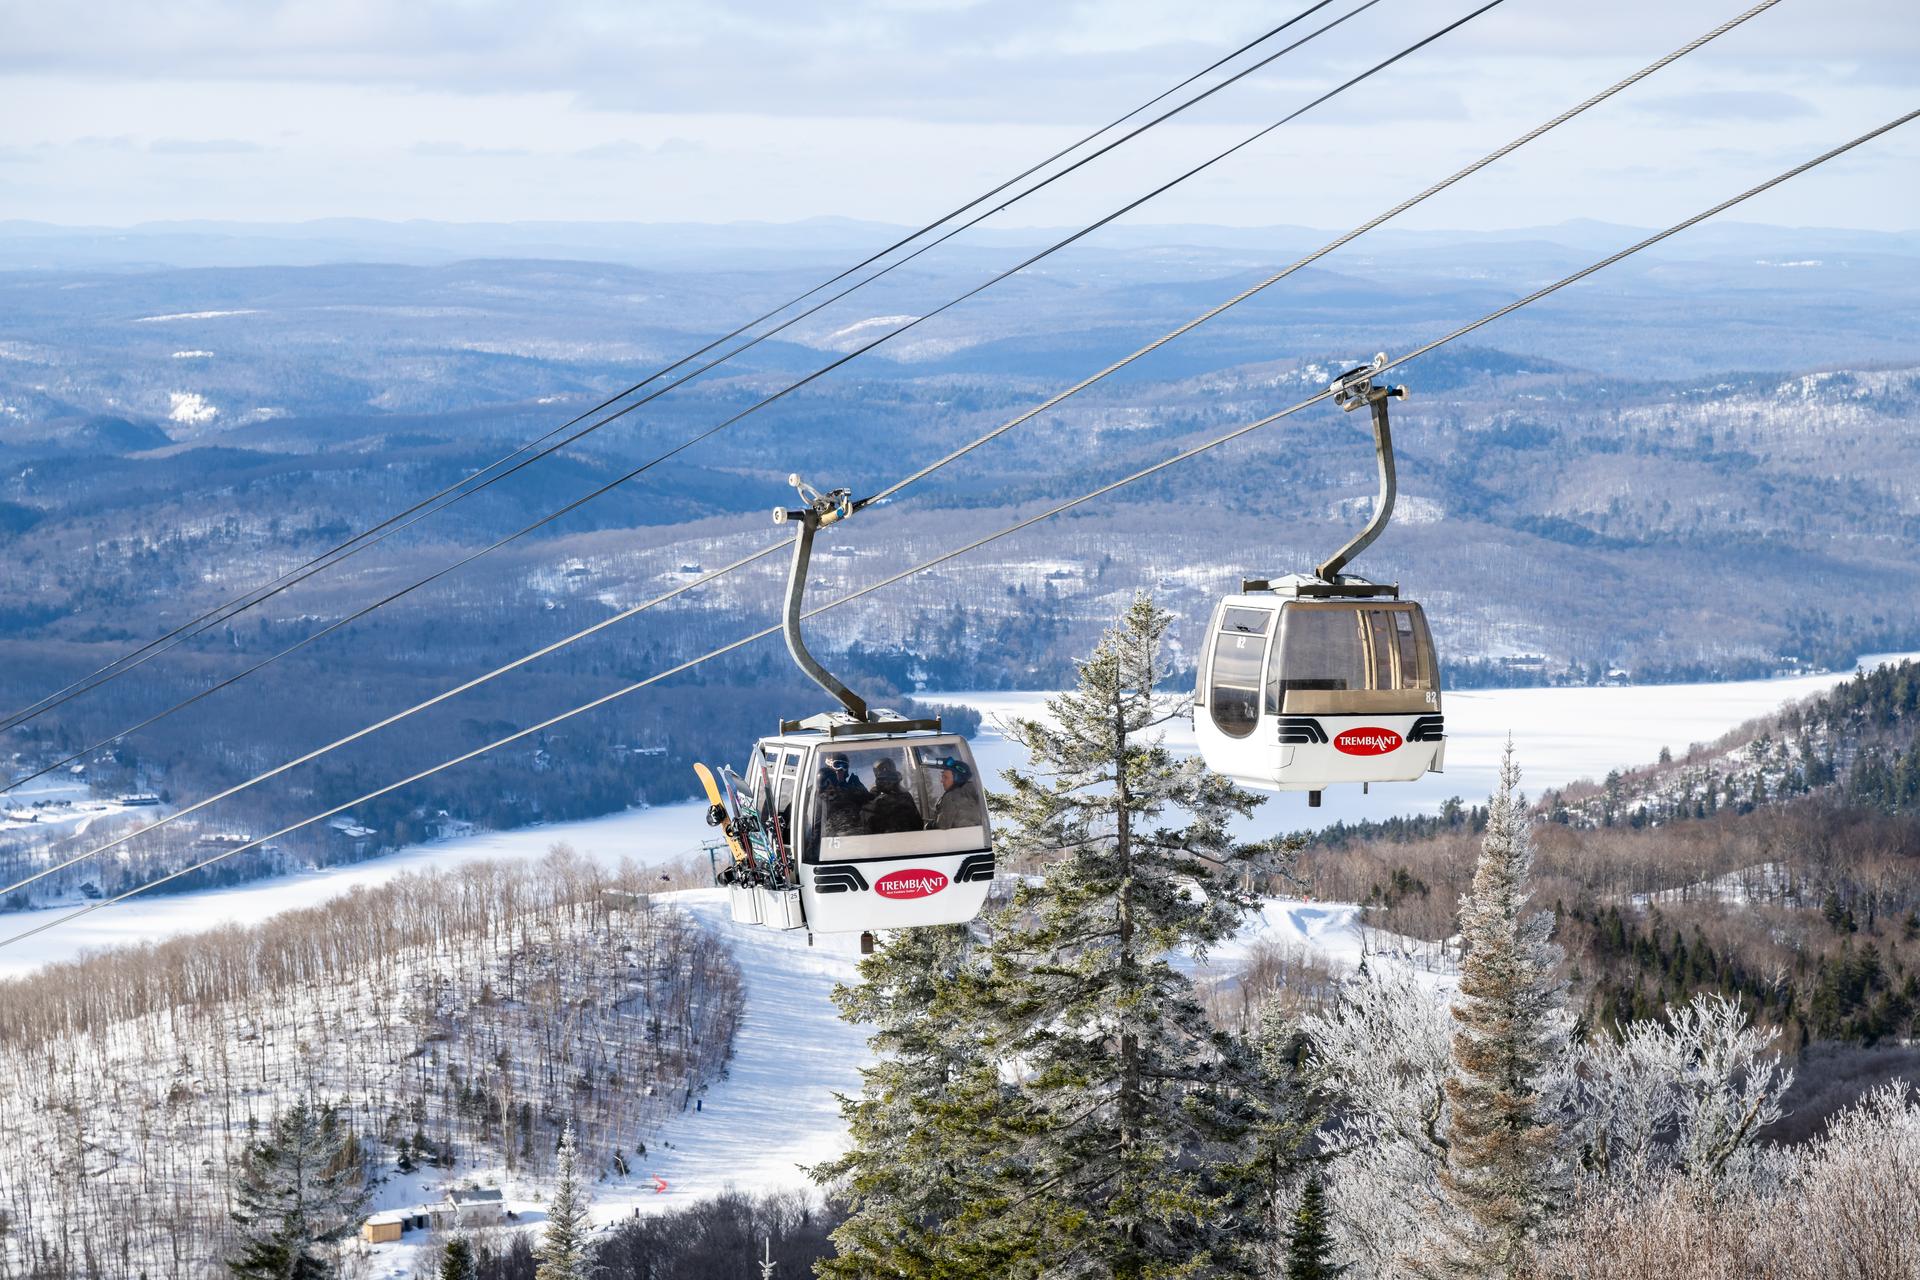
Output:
x,y
1329,933
60,804
1764,882
774,1112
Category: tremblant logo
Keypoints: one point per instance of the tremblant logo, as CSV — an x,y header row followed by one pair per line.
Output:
x,y
1366,742
912,883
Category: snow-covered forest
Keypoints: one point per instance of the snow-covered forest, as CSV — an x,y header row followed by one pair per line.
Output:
x,y
457,1023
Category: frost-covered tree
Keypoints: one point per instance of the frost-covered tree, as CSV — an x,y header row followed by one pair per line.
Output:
x,y
1136,1110
298,1191
1621,1102
1730,1088
935,1122
1691,1093
1383,1055
1845,1204
565,1253
1499,1177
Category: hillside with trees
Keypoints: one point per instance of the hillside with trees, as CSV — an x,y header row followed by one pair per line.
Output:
x,y
1778,867
438,1028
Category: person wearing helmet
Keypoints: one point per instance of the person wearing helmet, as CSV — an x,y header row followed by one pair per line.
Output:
x,y
959,803
843,797
891,809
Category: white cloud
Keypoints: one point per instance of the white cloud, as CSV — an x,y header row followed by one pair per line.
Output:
x,y
1730,104
720,110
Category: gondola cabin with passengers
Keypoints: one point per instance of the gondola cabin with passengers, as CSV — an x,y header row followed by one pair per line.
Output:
x,y
1324,678
854,820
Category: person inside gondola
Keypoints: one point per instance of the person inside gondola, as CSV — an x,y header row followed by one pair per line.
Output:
x,y
890,808
959,802
843,798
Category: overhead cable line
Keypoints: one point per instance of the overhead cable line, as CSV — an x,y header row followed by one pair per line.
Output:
x,y
765,401
977,543
1432,190
1369,225
399,520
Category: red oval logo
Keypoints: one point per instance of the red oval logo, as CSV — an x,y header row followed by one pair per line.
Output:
x,y
1366,741
912,883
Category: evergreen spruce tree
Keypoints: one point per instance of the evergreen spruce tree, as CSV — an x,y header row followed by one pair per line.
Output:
x,y
300,1189
1310,1243
456,1260
1499,1179
564,1251
933,1121
1136,1113
1284,1116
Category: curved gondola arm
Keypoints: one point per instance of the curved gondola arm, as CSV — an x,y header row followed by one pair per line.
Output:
x,y
1352,389
821,509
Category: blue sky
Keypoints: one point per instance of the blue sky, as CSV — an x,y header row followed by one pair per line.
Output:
x,y
116,111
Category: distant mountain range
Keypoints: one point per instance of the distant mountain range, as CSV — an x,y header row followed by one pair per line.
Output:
x,y
50,246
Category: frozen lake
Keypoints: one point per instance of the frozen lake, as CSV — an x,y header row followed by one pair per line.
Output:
x,y
1561,735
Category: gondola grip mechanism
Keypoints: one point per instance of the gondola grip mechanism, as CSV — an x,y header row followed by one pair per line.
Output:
x,y
1350,390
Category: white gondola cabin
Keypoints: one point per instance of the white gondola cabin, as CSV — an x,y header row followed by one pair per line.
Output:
x,y
1300,689
874,832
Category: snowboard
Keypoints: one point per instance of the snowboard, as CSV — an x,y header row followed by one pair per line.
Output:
x,y
722,813
762,837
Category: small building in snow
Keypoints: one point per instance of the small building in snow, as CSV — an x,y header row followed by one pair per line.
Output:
x,y
356,838
470,1207
383,1228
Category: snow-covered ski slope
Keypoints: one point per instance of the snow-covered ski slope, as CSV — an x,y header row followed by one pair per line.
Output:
x,y
1330,934
774,1110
